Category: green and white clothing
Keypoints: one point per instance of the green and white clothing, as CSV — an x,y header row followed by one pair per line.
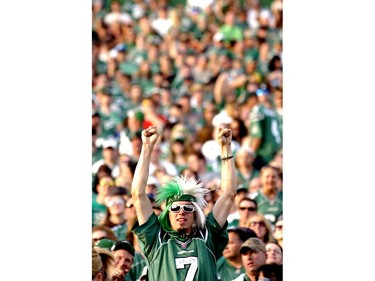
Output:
x,y
120,230
242,277
226,271
270,209
173,260
135,272
245,180
264,124
98,211
233,223
108,123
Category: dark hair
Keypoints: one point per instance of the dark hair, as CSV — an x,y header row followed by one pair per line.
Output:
x,y
250,200
243,233
199,155
276,243
132,164
104,170
272,270
272,63
110,234
242,129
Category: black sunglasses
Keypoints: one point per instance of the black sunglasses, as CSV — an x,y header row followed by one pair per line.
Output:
x,y
260,223
250,209
185,208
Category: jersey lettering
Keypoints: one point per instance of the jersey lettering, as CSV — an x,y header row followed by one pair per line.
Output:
x,y
193,261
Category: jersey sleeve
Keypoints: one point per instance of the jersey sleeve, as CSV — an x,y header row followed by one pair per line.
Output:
x,y
148,235
217,236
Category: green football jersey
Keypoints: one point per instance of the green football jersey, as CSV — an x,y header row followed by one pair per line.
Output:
x,y
271,210
173,260
120,230
226,271
264,124
242,180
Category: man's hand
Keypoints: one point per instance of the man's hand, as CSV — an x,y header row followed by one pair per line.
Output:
x,y
118,275
223,136
150,135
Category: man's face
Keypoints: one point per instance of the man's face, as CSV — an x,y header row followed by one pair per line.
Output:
x,y
244,158
193,163
123,260
246,209
181,220
274,254
269,178
232,250
251,260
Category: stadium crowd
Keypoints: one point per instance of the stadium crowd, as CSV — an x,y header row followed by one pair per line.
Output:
x,y
192,69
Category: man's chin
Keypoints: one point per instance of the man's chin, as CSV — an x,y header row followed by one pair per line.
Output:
x,y
181,231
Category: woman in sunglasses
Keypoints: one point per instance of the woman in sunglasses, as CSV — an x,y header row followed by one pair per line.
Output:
x,y
261,226
182,243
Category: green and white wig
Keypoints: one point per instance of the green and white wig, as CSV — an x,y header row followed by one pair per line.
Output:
x,y
182,189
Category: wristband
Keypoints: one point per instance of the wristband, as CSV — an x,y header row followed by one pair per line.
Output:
x,y
227,158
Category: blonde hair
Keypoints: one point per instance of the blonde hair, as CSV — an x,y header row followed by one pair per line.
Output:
x,y
102,260
97,264
268,237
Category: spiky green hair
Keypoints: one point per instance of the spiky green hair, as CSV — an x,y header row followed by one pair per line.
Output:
x,y
182,189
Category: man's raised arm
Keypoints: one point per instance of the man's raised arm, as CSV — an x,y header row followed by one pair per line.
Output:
x,y
141,202
224,203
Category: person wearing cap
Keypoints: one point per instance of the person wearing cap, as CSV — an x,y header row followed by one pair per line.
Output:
x,y
253,255
182,243
229,266
123,252
138,264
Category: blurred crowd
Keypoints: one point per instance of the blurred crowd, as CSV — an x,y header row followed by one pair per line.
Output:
x,y
187,67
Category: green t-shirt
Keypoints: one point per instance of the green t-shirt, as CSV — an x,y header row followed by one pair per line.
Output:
x,y
271,210
226,271
121,230
234,33
242,180
264,124
234,223
135,272
108,123
172,260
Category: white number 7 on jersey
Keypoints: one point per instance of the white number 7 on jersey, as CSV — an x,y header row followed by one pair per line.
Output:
x,y
193,261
